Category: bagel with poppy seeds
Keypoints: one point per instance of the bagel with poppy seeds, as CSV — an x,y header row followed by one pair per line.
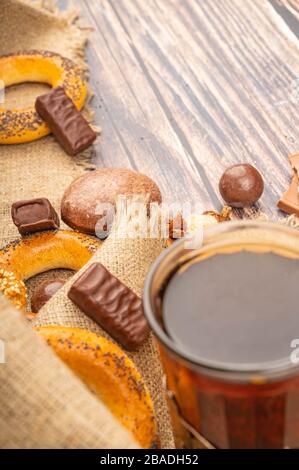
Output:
x,y
24,124
12,286
40,252
109,373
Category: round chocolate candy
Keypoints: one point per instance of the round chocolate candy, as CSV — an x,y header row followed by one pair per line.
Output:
x,y
80,206
241,185
44,292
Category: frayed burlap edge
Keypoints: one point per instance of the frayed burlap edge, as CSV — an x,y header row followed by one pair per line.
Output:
x,y
129,260
43,404
42,169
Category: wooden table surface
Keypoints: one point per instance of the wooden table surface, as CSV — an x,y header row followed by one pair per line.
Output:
x,y
184,88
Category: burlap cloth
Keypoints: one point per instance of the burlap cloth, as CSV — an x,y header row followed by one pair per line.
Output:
x,y
43,404
42,168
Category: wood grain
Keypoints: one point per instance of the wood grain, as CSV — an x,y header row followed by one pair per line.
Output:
x,y
185,88
289,10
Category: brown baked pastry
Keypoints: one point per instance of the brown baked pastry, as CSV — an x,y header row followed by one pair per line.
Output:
x,y
42,251
25,125
12,286
204,220
44,292
81,199
110,374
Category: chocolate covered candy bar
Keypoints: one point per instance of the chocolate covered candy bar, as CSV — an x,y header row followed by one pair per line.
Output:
x,y
34,215
67,124
111,304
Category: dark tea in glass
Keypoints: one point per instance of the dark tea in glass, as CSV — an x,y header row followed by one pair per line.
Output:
x,y
226,318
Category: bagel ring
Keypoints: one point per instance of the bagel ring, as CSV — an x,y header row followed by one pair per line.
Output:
x,y
40,252
109,373
24,124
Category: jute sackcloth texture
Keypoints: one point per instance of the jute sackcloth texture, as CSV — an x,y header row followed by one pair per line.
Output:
x,y
42,168
129,260
42,403
39,168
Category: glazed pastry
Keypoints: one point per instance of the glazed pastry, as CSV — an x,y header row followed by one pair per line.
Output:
x,y
25,125
12,286
42,251
110,374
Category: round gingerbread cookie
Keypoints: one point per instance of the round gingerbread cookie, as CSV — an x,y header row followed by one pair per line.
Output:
x,y
81,200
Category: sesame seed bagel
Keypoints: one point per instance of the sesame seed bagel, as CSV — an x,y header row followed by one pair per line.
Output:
x,y
24,124
40,252
12,286
109,373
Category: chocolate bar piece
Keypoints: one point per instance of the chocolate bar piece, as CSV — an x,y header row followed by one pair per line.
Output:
x,y
111,304
34,215
67,124
289,202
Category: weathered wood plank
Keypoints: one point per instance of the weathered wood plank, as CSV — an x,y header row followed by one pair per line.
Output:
x,y
184,89
289,11
136,119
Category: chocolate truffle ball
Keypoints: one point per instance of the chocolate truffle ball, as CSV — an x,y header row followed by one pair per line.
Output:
x,y
44,292
241,185
82,198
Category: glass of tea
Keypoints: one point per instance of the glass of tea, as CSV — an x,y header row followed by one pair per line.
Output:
x,y
226,317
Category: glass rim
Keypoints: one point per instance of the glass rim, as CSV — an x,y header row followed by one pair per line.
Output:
x,y
249,372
